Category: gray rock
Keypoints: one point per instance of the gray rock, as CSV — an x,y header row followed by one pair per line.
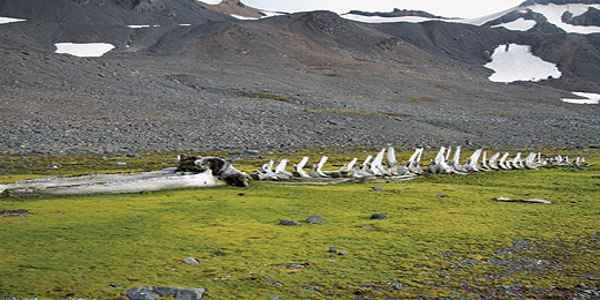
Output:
x,y
155,293
191,261
285,222
14,213
143,293
379,216
315,220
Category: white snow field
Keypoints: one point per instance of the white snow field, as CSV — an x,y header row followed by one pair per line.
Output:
x,y
592,98
519,24
136,26
245,18
6,20
377,19
84,49
516,63
554,14
212,2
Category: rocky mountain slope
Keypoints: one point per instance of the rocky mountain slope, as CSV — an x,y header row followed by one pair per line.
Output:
x,y
187,75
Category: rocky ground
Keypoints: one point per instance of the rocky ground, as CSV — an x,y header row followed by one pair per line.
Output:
x,y
302,81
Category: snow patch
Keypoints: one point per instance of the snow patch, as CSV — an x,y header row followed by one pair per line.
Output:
x,y
554,13
185,25
245,18
84,49
519,24
591,98
378,19
6,20
212,2
515,62
142,26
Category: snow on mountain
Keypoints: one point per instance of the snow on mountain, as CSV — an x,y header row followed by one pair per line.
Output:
x,y
590,98
519,24
380,19
554,14
212,2
6,20
515,62
84,50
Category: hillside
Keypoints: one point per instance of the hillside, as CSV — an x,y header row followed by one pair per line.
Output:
x,y
186,76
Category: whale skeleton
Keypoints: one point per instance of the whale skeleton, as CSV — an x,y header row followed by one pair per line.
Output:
x,y
198,172
385,164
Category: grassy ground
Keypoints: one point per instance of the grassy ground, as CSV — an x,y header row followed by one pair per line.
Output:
x,y
443,237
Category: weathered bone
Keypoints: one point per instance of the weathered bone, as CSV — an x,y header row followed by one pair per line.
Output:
x,y
391,157
517,161
318,168
299,168
473,162
493,162
377,168
502,163
456,161
484,162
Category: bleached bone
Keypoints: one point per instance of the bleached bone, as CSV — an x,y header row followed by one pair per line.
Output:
x,y
448,153
414,164
280,170
512,162
517,161
484,162
366,165
391,157
318,168
530,161
502,162
456,161
116,184
192,172
347,168
377,168
473,162
439,165
493,161
299,168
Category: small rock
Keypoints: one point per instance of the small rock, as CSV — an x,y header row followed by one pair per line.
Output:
x,y
315,220
14,213
297,266
396,286
143,293
155,293
191,261
54,166
379,216
334,250
121,163
441,195
377,189
284,222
